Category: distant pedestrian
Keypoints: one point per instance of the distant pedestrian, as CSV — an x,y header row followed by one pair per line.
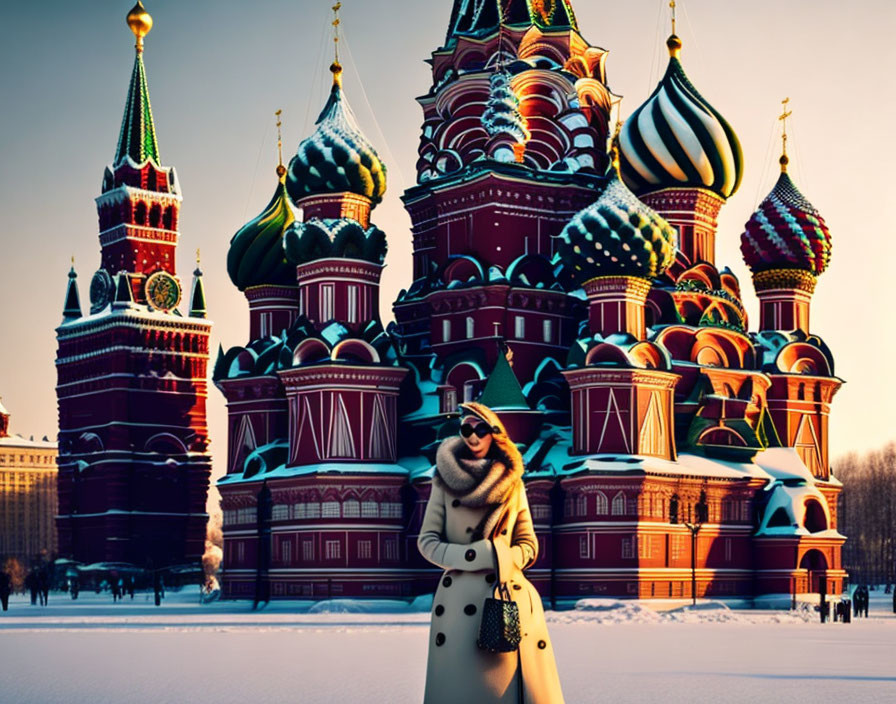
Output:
x,y
43,580
5,588
32,586
158,587
129,585
866,599
115,587
74,587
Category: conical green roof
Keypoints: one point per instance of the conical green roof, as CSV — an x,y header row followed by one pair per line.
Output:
x,y
138,133
197,300
503,390
72,308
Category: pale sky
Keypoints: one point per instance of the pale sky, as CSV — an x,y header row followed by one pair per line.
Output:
x,y
218,71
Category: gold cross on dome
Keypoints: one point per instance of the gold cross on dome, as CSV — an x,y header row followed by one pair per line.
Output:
x,y
336,22
783,118
279,138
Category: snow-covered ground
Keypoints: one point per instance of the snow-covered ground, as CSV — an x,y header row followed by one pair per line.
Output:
x,y
94,651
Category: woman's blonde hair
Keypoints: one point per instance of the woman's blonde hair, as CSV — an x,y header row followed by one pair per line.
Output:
x,y
499,433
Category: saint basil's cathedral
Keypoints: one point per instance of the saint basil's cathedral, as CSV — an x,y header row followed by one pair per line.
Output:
x,y
563,274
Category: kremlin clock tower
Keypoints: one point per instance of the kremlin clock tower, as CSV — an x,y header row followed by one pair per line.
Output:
x,y
133,461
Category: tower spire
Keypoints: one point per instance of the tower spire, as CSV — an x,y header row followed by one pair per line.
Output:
x,y
72,308
336,67
281,169
674,41
198,308
785,160
137,139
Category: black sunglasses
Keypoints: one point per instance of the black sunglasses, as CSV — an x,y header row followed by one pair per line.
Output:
x,y
481,429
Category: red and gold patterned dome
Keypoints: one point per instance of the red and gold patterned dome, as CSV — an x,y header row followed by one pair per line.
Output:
x,y
786,232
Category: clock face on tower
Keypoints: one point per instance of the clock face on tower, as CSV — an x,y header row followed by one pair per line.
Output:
x,y
101,287
163,291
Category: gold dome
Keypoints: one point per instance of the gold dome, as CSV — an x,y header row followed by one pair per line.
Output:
x,y
140,22
674,44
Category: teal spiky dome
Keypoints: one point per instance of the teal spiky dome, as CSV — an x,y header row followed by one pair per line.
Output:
x,y
337,158
256,256
617,236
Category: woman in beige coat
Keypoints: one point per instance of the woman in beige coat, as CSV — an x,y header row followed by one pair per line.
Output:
x,y
478,517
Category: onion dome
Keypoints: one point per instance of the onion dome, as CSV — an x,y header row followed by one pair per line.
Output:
x,y
678,140
618,235
256,251
339,238
786,232
337,158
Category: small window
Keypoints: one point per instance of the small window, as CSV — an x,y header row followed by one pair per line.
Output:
x,y
326,303
308,550
330,509
548,327
314,510
471,328
332,550
351,509
619,504
446,331
353,312
390,548
286,551
369,509
628,548
519,327
583,546
364,549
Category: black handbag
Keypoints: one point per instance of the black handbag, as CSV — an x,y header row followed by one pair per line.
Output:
x,y
499,631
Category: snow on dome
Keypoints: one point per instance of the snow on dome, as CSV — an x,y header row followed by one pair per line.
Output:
x,y
795,509
337,158
256,253
678,140
786,232
617,235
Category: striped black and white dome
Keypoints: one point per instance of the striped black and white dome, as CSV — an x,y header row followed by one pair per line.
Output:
x,y
678,140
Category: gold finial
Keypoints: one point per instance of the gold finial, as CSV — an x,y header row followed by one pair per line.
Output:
x,y
198,257
674,41
336,67
281,169
140,22
785,160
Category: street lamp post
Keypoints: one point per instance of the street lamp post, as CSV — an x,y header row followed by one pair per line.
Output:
x,y
701,514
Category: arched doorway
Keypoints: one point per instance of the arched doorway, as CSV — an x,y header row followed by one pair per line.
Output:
x,y
816,566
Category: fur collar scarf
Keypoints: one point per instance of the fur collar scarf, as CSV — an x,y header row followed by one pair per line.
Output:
x,y
476,483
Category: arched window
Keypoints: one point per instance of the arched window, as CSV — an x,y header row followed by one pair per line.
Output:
x,y
471,328
140,213
351,508
602,507
619,504
582,505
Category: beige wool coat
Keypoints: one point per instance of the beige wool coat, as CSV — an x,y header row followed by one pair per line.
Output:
x,y
457,670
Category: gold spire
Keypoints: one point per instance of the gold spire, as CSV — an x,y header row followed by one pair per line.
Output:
x,y
785,160
140,22
614,146
336,67
281,169
198,257
674,42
